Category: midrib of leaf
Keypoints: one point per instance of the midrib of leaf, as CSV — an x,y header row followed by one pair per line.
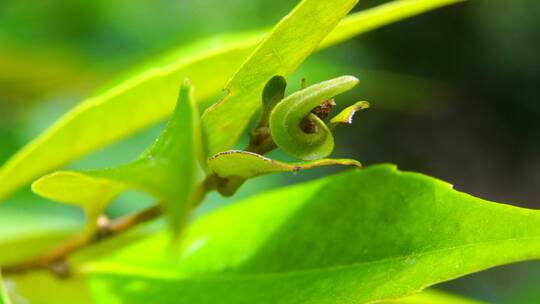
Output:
x,y
71,137
121,269
420,261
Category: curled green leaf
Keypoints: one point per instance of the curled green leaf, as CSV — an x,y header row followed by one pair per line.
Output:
x,y
245,165
288,114
346,116
289,43
167,171
260,141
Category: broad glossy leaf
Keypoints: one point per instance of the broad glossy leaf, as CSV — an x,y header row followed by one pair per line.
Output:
x,y
281,52
150,93
245,165
167,170
361,236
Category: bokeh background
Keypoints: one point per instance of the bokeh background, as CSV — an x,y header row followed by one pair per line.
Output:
x,y
454,94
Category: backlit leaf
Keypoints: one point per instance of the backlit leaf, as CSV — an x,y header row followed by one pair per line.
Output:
x,y
167,170
346,116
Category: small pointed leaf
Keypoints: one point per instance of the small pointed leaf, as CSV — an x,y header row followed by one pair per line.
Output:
x,y
167,170
243,164
346,116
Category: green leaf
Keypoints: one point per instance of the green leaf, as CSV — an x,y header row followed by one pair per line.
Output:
x,y
286,47
273,93
167,170
245,165
361,236
149,93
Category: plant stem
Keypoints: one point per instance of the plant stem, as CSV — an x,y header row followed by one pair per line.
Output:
x,y
55,259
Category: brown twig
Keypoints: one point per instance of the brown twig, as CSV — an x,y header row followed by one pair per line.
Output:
x,y
55,259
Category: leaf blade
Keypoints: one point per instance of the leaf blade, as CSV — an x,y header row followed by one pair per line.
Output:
x,y
361,236
167,171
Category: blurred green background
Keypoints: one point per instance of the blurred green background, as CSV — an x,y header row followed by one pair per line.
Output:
x,y
454,94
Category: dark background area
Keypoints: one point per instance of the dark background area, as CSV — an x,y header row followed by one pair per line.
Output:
x,y
454,92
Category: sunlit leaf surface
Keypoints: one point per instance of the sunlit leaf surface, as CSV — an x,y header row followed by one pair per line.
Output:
x,y
361,236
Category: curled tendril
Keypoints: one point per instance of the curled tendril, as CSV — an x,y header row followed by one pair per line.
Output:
x,y
287,117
